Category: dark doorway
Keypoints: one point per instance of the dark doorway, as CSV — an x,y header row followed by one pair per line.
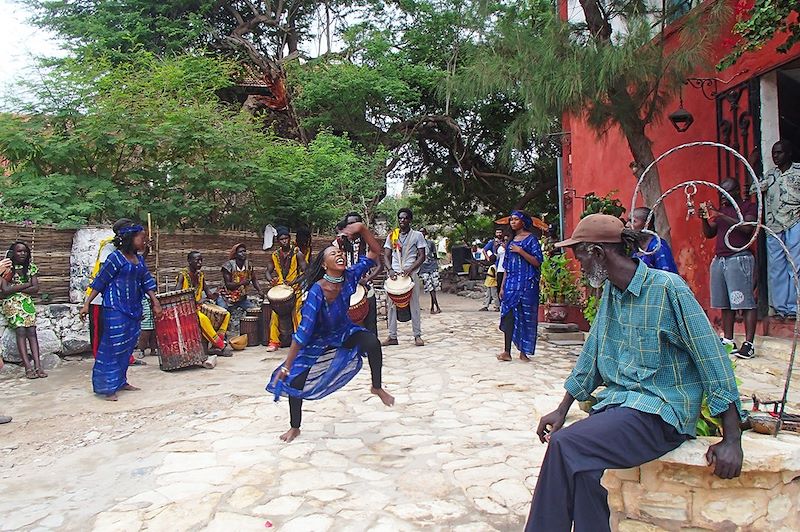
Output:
x,y
789,105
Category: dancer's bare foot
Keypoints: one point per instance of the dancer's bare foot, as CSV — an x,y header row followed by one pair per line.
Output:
x,y
112,397
504,357
131,388
523,357
290,434
387,399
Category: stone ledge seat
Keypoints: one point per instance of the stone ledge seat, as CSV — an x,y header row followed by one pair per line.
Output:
x,y
679,491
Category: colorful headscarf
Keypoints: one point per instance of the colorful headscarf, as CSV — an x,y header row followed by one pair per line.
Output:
x,y
234,249
524,217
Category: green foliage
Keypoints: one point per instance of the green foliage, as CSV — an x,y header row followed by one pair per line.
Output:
x,y
758,24
708,425
608,204
558,283
151,136
590,308
474,227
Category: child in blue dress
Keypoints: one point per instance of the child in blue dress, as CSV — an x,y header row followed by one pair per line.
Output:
x,y
327,348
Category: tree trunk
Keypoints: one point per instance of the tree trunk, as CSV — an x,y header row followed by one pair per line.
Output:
x,y
642,150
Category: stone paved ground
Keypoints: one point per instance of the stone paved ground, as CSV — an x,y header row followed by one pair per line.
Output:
x,y
199,450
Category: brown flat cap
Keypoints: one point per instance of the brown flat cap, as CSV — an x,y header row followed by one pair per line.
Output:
x,y
597,229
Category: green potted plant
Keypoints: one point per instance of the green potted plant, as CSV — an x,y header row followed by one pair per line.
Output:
x,y
608,204
559,287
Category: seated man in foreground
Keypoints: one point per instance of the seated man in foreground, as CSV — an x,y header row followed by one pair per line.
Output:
x,y
654,349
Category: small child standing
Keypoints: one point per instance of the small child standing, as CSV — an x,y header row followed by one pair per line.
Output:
x,y
491,289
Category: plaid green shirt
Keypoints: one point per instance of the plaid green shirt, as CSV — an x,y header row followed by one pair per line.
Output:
x,y
654,348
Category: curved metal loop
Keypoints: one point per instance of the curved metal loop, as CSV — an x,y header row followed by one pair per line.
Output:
x,y
757,225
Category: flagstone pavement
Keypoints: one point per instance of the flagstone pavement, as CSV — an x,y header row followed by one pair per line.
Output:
x,y
198,449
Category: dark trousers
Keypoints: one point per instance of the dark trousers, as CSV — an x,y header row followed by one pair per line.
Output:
x,y
371,321
367,342
568,490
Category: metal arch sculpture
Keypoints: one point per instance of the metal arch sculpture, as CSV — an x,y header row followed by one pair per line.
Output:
x,y
741,223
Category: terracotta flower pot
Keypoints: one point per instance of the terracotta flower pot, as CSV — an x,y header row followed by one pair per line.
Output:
x,y
556,312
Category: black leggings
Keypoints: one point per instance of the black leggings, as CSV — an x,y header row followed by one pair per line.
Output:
x,y
366,342
507,326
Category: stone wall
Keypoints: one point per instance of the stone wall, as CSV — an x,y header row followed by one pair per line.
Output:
x,y
60,332
679,491
85,244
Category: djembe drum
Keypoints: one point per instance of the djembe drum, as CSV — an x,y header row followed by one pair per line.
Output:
x,y
282,300
180,341
359,305
400,291
215,313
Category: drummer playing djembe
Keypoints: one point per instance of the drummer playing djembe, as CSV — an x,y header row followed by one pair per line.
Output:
x,y
286,267
327,348
193,277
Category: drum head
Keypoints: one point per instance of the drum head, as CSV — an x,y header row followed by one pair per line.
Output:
x,y
399,286
281,292
358,295
211,307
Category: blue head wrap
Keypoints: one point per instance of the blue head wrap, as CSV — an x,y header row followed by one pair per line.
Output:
x,y
130,229
524,217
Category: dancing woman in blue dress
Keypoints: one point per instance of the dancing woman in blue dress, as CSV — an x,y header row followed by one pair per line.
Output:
x,y
327,348
519,295
123,280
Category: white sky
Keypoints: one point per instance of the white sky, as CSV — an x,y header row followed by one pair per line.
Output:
x,y
20,42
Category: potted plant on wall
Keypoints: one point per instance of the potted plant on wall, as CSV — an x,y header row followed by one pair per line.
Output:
x,y
559,287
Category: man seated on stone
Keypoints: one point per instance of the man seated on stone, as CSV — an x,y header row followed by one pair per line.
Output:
x,y
657,354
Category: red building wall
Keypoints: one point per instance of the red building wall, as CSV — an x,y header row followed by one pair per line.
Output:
x,y
600,164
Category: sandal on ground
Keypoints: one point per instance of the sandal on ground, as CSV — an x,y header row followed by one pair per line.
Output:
x,y
40,373
504,357
31,374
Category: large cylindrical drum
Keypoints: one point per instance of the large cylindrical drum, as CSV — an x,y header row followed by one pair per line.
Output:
x,y
180,341
215,313
255,312
249,325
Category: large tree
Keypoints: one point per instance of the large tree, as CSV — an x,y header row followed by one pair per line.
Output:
x,y
392,86
151,135
613,67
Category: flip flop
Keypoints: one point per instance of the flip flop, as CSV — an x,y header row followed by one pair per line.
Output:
x,y
31,374
41,374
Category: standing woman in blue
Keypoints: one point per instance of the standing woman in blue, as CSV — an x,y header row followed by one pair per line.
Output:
x,y
123,280
327,348
519,295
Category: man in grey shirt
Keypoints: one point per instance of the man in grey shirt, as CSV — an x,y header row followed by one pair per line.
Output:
x,y
403,254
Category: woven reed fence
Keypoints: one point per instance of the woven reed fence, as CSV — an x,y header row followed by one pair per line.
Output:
x,y
51,249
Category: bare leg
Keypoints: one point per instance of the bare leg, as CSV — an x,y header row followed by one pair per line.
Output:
x,y
435,303
728,317
22,347
33,341
750,319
